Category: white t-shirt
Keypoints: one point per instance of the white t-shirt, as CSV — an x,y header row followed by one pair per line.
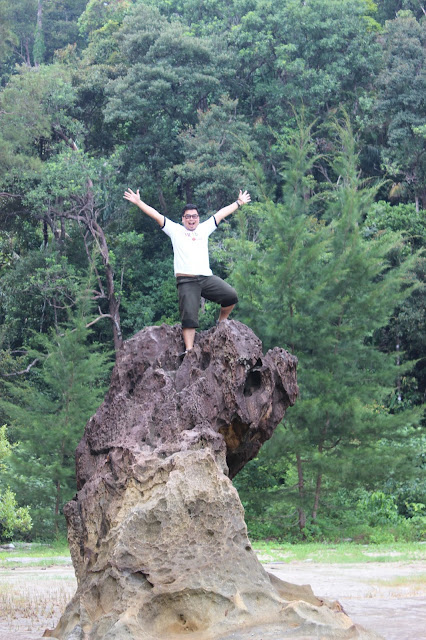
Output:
x,y
190,248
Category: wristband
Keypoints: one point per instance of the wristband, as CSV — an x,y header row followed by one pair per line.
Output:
x,y
238,204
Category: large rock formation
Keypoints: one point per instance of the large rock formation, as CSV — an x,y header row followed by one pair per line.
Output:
x,y
156,530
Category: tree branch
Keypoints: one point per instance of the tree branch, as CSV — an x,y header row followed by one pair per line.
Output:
x,y
5,194
92,262
20,373
70,142
103,315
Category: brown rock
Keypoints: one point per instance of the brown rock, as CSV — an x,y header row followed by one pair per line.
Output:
x,y
156,531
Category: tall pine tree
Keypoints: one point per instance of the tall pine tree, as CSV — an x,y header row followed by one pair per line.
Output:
x,y
321,289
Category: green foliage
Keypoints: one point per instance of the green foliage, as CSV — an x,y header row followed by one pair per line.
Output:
x,y
98,14
206,18
32,38
357,515
214,151
318,53
401,106
13,519
7,37
388,9
377,508
403,217
406,328
324,289
34,110
5,447
36,294
19,19
190,100
60,25
168,76
47,413
39,48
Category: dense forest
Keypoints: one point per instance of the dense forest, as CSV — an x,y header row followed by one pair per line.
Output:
x,y
317,108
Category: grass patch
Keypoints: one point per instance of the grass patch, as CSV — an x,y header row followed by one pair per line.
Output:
x,y
43,555
341,553
35,555
418,580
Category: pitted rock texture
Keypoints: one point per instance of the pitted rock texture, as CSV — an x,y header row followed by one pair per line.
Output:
x,y
156,530
225,395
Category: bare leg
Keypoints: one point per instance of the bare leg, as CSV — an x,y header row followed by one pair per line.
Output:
x,y
225,311
188,337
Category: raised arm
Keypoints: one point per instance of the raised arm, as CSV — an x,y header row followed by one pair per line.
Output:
x,y
243,198
134,198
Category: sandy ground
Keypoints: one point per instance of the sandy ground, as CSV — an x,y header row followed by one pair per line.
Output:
x,y
389,598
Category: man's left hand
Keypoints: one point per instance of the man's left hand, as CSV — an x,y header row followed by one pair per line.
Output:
x,y
243,198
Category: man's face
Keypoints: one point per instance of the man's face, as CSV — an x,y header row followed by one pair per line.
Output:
x,y
190,219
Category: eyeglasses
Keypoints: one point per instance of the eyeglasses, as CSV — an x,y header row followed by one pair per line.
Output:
x,y
191,216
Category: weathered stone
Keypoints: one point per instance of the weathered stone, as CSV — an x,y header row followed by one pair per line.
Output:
x,y
156,531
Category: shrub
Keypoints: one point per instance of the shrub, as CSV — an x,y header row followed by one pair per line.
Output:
x,y
12,518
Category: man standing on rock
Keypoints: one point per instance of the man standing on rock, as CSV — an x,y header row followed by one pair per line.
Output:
x,y
194,278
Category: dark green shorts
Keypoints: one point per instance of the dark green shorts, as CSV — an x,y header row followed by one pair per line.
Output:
x,y
191,289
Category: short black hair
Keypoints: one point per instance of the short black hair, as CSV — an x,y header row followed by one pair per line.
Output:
x,y
189,206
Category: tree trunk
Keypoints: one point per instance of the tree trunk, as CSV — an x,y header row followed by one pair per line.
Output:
x,y
317,496
63,231
319,475
301,485
27,52
113,302
57,503
38,41
87,216
39,15
398,364
45,234
162,200
114,306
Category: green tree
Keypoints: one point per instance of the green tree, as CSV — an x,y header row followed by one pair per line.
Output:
x,y
401,106
100,62
214,151
72,187
405,331
21,16
39,48
34,117
168,76
7,37
206,18
47,412
388,9
323,288
36,294
60,25
319,53
33,30
55,180
97,14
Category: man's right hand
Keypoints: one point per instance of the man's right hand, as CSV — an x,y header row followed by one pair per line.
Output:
x,y
132,196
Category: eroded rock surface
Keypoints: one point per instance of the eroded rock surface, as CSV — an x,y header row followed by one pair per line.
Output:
x,y
156,530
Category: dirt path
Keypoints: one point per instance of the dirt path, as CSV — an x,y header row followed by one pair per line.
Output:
x,y
389,598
